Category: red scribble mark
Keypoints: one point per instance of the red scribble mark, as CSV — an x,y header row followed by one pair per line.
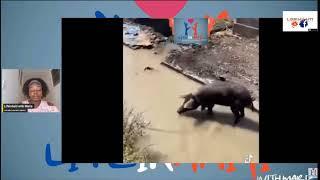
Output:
x,y
193,165
176,164
231,167
253,170
223,15
211,23
221,166
202,165
265,168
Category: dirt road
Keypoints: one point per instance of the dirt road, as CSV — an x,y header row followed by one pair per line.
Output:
x,y
195,136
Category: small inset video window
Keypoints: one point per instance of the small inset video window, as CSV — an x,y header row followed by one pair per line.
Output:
x,y
31,90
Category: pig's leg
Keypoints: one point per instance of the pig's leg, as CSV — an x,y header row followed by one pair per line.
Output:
x,y
242,112
235,111
203,107
210,112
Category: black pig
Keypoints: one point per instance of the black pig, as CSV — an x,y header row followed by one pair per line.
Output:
x,y
222,93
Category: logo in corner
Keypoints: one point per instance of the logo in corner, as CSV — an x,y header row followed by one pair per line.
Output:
x,y
191,30
300,21
313,173
303,23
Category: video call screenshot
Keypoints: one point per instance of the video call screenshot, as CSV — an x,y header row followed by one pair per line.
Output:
x,y
159,89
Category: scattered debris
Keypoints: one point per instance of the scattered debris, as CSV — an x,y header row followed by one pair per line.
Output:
x,y
222,78
148,68
222,25
138,36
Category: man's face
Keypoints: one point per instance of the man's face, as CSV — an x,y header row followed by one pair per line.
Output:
x,y
35,92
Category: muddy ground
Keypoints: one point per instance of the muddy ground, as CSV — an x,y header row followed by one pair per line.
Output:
x,y
155,91
191,137
226,56
231,57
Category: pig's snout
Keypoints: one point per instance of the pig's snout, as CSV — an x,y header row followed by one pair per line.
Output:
x,y
180,110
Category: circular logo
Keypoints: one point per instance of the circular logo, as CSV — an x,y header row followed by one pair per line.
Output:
x,y
303,23
294,24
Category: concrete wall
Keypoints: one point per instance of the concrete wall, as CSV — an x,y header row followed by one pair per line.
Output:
x,y
246,27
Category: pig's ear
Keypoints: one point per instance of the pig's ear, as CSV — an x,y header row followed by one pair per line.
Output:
x,y
189,104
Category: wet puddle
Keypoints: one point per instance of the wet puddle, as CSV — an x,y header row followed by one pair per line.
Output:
x,y
195,136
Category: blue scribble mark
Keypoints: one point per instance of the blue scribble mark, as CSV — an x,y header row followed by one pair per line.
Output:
x,y
95,165
49,160
99,14
73,166
115,165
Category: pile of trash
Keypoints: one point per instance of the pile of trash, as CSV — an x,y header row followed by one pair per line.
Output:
x,y
139,36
